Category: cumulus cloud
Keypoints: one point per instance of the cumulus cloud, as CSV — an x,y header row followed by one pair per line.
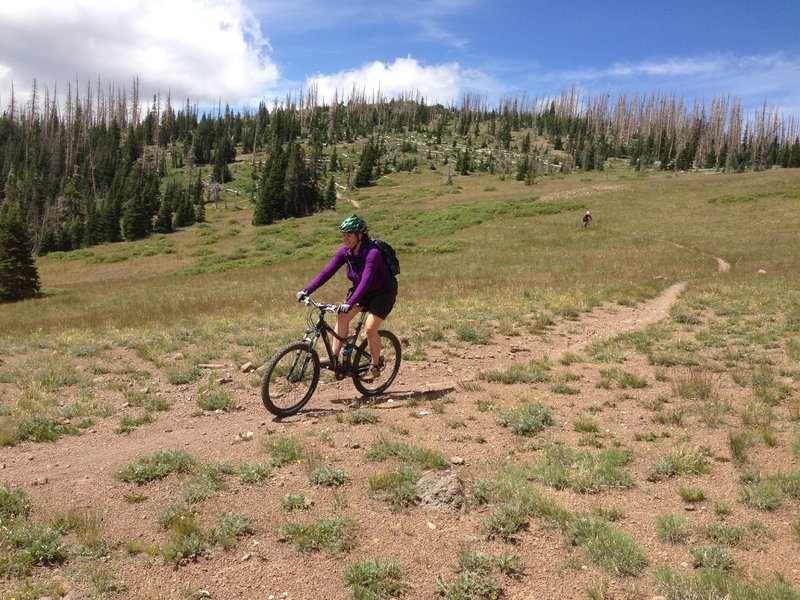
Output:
x,y
436,83
197,50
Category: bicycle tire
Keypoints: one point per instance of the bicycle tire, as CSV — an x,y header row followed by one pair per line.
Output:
x,y
284,390
391,355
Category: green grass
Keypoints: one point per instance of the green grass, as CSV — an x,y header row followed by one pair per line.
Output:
x,y
86,523
128,424
336,535
33,544
14,503
683,461
763,495
623,379
585,424
375,580
292,502
583,471
253,474
207,482
724,534
157,466
526,419
216,402
283,450
328,476
739,443
673,528
691,493
712,557
795,529
561,387
608,546
384,448
695,384
186,539
231,526
396,487
532,372
716,583
363,416
476,579
796,446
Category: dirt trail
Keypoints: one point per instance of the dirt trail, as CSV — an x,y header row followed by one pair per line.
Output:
x,y
602,323
341,196
723,266
73,460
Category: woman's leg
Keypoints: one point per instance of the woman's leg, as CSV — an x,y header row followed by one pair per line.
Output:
x,y
342,328
371,326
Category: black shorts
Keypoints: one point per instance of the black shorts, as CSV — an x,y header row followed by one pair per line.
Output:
x,y
381,303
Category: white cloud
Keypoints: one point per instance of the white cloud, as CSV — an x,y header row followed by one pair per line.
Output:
x,y
197,50
437,83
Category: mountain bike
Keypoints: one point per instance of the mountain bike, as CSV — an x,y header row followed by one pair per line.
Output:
x,y
292,375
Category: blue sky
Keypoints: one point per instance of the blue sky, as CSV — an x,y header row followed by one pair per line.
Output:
x,y
243,51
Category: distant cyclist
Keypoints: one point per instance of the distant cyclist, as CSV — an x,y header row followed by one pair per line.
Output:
x,y
587,219
374,287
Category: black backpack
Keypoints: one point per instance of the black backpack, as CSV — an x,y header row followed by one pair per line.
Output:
x,y
389,255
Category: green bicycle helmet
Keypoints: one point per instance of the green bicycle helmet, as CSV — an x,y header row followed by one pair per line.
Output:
x,y
353,224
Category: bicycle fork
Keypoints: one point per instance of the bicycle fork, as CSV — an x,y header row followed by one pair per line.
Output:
x,y
295,375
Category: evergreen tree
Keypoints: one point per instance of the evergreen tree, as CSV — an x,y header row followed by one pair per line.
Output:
x,y
110,215
93,233
184,208
334,164
270,203
199,211
299,193
48,241
163,222
523,167
525,147
136,219
221,173
330,195
369,159
19,278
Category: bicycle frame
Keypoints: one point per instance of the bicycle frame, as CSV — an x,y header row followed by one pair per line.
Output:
x,y
321,329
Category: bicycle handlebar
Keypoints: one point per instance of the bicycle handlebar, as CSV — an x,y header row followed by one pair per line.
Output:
x,y
331,308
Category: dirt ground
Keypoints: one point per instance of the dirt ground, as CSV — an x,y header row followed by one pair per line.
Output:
x,y
434,403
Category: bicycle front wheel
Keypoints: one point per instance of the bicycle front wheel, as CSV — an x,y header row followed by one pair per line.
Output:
x,y
290,379
389,361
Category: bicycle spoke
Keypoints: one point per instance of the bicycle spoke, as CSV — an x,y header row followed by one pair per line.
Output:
x,y
290,379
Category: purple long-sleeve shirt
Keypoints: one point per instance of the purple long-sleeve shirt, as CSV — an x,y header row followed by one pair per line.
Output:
x,y
367,272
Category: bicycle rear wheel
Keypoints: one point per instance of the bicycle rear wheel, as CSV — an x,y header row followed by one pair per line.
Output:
x,y
389,361
290,379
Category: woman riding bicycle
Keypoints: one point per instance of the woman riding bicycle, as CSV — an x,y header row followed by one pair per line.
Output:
x,y
374,288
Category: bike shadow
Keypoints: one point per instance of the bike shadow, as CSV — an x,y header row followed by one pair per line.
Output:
x,y
386,401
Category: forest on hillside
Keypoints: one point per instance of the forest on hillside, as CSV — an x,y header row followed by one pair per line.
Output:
x,y
103,166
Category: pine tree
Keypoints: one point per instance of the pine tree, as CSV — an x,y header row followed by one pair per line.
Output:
x,y
163,222
19,278
184,209
110,214
270,203
369,159
330,195
135,219
334,164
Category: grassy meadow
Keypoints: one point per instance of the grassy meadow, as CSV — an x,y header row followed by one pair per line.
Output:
x,y
480,258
